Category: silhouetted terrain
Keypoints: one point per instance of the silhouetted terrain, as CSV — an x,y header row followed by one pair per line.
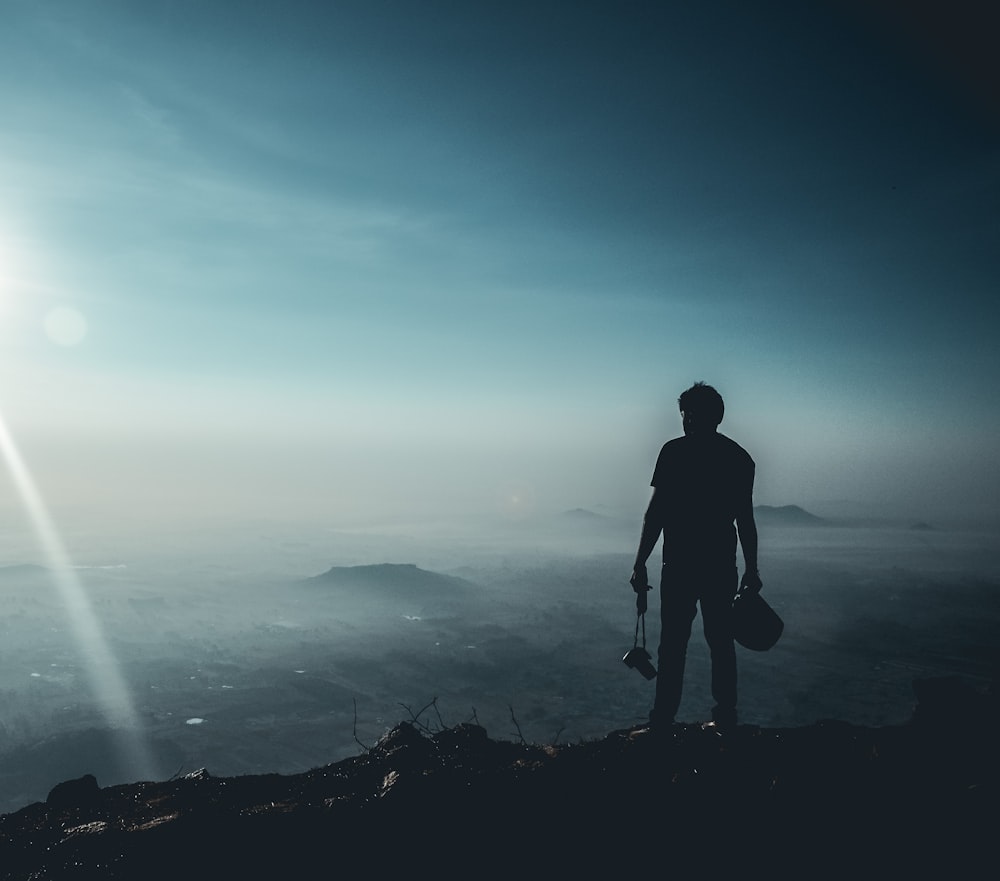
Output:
x,y
914,800
785,515
399,580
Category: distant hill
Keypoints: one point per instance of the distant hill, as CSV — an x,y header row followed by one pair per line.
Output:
x,y
780,515
583,515
785,515
398,580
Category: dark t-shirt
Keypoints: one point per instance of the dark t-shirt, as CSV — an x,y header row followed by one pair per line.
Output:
x,y
701,481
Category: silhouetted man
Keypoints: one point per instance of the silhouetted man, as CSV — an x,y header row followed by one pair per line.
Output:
x,y
702,486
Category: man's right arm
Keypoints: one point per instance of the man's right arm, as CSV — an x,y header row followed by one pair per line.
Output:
x,y
746,528
652,527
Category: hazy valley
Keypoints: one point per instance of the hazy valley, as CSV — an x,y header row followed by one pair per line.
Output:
x,y
279,650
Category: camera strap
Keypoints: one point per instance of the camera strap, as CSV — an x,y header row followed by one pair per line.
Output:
x,y
640,618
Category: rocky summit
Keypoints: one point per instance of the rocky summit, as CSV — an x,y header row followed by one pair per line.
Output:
x,y
827,800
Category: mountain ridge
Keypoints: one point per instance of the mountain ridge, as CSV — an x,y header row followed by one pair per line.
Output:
x,y
819,800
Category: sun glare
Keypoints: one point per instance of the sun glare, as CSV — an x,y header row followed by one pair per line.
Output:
x,y
102,668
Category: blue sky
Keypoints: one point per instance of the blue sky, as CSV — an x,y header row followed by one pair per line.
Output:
x,y
348,260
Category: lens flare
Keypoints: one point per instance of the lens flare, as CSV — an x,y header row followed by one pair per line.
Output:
x,y
102,669
65,327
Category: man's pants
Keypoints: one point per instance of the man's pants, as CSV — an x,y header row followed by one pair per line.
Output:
x,y
682,588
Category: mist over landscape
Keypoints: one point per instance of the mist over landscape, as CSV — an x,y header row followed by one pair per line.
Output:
x,y
255,649
339,340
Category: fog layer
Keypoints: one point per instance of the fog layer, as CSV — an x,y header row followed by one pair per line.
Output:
x,y
257,648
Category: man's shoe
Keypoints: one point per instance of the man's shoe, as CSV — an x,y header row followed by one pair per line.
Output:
x,y
650,732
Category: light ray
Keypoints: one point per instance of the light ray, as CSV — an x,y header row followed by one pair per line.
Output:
x,y
101,667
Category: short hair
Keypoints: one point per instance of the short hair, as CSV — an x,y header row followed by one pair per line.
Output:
x,y
703,403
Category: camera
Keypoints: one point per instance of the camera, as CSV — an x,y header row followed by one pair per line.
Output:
x,y
639,659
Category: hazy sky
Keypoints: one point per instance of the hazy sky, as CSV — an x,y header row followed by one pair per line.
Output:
x,y
351,259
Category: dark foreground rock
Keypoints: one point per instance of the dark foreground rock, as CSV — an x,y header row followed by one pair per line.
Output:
x,y
918,800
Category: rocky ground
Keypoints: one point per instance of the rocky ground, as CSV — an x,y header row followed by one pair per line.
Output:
x,y
917,800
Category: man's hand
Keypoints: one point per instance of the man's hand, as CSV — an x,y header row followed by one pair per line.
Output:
x,y
750,582
640,584
639,579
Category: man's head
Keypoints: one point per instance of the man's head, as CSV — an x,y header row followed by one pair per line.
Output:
x,y
701,409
